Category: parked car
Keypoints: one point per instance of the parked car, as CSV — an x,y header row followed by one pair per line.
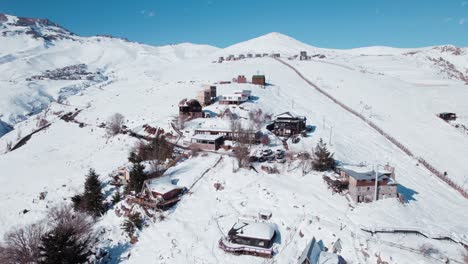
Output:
x,y
267,152
283,160
253,159
262,159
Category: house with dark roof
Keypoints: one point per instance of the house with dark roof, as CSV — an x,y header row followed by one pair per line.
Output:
x,y
250,237
190,109
288,124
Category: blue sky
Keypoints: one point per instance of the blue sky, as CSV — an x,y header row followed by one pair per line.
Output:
x,y
323,23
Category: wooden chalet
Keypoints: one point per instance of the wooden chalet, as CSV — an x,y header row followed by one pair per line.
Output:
x,y
288,124
162,192
190,109
250,237
258,79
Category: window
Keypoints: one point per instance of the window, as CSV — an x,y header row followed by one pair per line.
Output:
x,y
368,188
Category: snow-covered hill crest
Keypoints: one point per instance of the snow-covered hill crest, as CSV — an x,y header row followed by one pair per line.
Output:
x,y
32,47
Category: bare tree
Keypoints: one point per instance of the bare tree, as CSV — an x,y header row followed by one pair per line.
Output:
x,y
64,217
21,245
115,124
305,162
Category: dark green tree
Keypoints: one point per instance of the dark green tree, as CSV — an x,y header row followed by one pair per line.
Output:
x,y
117,197
134,157
63,245
132,223
137,177
322,159
92,196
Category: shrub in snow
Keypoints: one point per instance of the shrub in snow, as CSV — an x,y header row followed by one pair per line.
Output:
x,y
115,124
428,249
132,223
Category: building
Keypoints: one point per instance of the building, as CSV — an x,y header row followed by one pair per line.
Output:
x,y
288,124
233,99
230,57
241,56
220,59
314,254
259,79
362,183
246,93
275,55
448,116
258,55
207,95
162,191
303,55
250,237
206,141
240,79
249,55
228,134
190,109
122,176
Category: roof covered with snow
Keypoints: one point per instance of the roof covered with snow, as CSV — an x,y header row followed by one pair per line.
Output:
x,y
289,115
252,229
206,137
161,185
365,172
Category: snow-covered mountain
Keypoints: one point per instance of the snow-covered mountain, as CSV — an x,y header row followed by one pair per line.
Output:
x,y
52,71
29,47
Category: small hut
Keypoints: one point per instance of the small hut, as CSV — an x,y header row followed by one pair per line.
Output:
x,y
259,79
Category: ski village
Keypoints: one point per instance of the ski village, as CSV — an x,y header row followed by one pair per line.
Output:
x,y
267,151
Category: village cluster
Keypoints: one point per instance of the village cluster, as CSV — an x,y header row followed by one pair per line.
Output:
x,y
248,138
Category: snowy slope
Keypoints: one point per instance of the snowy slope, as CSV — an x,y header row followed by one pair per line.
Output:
x,y
146,83
30,46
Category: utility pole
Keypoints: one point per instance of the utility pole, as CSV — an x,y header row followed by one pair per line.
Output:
x,y
376,181
329,140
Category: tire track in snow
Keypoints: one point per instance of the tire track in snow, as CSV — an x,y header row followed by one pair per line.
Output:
x,y
390,138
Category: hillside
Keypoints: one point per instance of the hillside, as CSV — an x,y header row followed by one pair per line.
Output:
x,y
31,47
401,90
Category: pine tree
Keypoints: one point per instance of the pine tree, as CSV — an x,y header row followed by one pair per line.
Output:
x,y
136,220
134,157
117,197
92,196
62,246
133,223
137,177
323,159
128,227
